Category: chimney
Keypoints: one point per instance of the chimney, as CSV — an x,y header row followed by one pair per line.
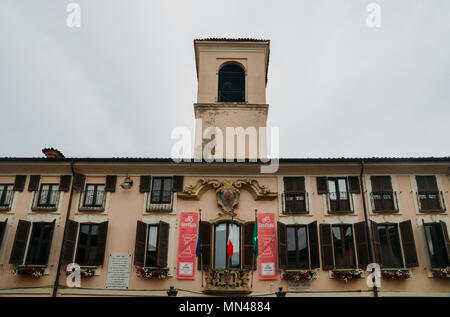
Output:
x,y
52,153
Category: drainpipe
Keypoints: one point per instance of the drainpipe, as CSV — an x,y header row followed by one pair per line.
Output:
x,y
56,285
366,220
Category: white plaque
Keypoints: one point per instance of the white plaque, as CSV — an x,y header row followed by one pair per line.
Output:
x,y
298,286
186,268
268,268
119,267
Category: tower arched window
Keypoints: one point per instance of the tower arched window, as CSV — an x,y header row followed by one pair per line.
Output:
x,y
231,83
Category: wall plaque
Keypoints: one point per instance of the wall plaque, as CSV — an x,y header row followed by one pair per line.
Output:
x,y
119,267
299,286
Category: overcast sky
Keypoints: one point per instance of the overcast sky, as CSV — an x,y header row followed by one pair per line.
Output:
x,y
118,85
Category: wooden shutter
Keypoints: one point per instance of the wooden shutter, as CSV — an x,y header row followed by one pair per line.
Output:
x,y
144,185
101,246
326,242
33,185
446,239
64,182
362,246
140,245
177,183
376,242
322,185
110,185
47,252
409,247
78,182
313,245
426,184
282,245
163,244
70,240
2,230
353,182
249,260
381,183
294,184
204,263
19,183
20,242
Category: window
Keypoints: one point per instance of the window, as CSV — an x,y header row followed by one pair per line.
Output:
x,y
221,259
382,194
6,193
428,194
343,246
161,190
152,246
295,195
87,244
438,244
338,195
297,247
40,242
94,195
48,195
231,84
152,243
391,252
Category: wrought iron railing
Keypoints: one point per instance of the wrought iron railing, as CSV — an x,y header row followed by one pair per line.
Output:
x,y
295,203
339,202
92,200
384,201
45,199
6,197
158,202
431,201
227,281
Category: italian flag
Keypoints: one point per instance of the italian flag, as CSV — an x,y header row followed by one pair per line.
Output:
x,y
230,243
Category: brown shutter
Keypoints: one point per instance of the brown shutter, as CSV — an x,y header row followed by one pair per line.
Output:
x,y
409,247
313,245
163,244
33,185
19,183
326,242
101,246
381,183
20,242
426,184
64,182
144,185
322,185
177,183
110,185
50,241
446,239
294,184
282,245
376,242
353,182
70,240
362,247
2,230
204,261
78,182
141,242
249,260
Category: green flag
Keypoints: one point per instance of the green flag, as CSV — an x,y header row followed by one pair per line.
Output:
x,y
255,236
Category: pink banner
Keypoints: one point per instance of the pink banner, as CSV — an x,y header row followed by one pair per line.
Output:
x,y
187,244
267,246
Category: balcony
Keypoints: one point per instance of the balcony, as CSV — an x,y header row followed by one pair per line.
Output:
x,y
45,200
160,201
6,198
295,203
384,202
339,202
227,282
431,201
92,200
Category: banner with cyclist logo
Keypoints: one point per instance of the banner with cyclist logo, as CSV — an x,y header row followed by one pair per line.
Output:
x,y
267,245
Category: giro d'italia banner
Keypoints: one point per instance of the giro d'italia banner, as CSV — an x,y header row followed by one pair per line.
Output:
x,y
186,245
267,246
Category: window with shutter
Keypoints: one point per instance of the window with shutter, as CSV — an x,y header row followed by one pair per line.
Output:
x,y
338,195
6,195
144,185
20,242
326,244
163,244
313,245
294,195
204,260
94,196
178,183
353,182
33,185
221,234
161,190
428,193
40,243
91,244
438,244
343,246
110,185
64,182
444,231
3,225
19,183
382,194
362,247
70,240
140,245
47,196
297,247
322,185
282,245
249,259
409,247
391,254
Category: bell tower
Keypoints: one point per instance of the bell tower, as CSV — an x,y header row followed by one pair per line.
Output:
x,y
232,79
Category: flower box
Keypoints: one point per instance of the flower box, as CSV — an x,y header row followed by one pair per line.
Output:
x,y
35,271
443,274
299,275
396,274
152,272
84,272
346,275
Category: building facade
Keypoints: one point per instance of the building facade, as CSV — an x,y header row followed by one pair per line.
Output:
x,y
321,218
